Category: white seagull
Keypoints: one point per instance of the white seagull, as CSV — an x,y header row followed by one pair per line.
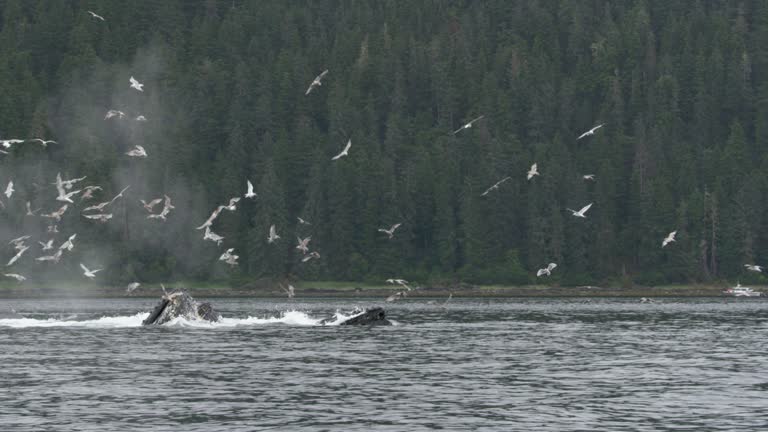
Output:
x,y
402,282
57,214
250,193
31,212
272,235
148,206
48,245
546,270
344,152
18,255
18,243
534,171
468,125
588,177
391,231
137,85
101,217
303,244
7,143
9,190
316,82
669,238
111,113
229,257
141,118
132,286
495,186
290,291
55,257
167,207
754,268
69,244
89,273
93,14
43,142
18,277
212,236
211,218
302,221
89,190
581,213
137,151
311,255
589,132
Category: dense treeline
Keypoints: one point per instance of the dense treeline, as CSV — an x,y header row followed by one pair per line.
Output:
x,y
682,87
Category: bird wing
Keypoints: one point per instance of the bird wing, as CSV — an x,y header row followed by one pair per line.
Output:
x,y
250,187
348,146
322,74
585,209
395,226
541,272
85,269
133,81
551,266
479,118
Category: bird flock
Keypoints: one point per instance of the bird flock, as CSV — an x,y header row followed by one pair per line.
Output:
x,y
67,194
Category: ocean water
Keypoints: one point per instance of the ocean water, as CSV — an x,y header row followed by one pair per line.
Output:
x,y
472,364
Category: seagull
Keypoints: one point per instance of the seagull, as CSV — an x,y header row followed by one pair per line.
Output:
x,y
303,222
98,207
7,143
68,245
89,273
9,190
534,171
151,205
18,242
43,142
96,16
250,193
137,85
546,270
30,212
61,187
212,236
272,235
111,113
302,246
229,257
290,291
57,214
311,255
119,195
316,82
231,206
754,268
48,245
132,286
668,239
391,231
137,151
468,125
101,217
141,118
396,296
67,184
18,255
402,282
55,257
18,277
53,229
88,194
210,220
495,186
589,132
581,213
588,177
344,152
167,207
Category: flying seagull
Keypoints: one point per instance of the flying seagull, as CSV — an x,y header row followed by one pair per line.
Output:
x,y
57,214
589,132
272,235
495,186
391,231
18,277
534,171
344,152
7,143
668,239
309,256
93,14
69,244
55,257
141,118
132,286
231,206
89,190
754,268
120,195
250,193
290,291
581,213
303,244
137,151
212,236
43,142
546,270
210,220
316,82
18,255
89,273
588,177
151,205
303,222
402,282
137,85
468,125
229,257
18,243
31,212
111,113
167,207
9,190
48,245
101,217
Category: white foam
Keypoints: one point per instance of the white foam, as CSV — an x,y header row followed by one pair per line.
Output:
x,y
103,322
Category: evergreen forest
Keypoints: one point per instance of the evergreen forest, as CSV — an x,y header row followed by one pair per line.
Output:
x,y
681,88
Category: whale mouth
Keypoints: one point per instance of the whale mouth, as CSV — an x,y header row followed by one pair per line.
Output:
x,y
180,304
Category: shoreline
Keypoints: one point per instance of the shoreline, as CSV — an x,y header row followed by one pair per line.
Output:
x,y
352,290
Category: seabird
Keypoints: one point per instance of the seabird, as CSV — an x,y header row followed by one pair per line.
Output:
x,y
303,244
111,113
589,132
495,186
101,217
141,118
468,125
391,231
316,82
669,238
754,268
132,286
18,277
290,291
31,212
272,235
88,192
344,152
93,14
7,143
55,257
48,245
250,193
149,206
137,151
581,213
588,177
9,189
303,222
212,236
546,270
137,85
534,171
89,273
167,207
18,255
69,244
57,214
311,255
43,142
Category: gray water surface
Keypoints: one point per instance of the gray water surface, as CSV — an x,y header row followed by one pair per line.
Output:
x,y
488,365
